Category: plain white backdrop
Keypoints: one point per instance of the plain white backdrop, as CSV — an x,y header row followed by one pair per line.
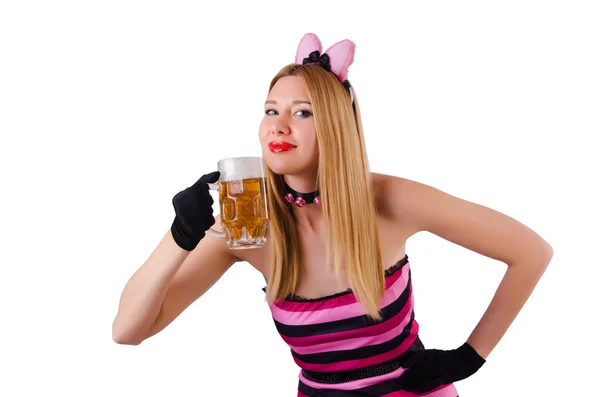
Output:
x,y
108,109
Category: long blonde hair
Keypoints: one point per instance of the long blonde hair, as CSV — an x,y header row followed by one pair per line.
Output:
x,y
345,185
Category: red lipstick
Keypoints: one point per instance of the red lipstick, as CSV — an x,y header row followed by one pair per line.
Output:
x,y
280,146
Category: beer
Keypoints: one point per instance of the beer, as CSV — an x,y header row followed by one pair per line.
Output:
x,y
243,202
244,214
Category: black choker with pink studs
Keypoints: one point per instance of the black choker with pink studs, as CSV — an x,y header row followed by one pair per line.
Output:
x,y
301,199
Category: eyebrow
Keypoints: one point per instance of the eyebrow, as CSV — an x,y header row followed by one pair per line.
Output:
x,y
293,103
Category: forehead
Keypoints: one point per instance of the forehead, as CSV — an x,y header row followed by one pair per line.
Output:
x,y
289,87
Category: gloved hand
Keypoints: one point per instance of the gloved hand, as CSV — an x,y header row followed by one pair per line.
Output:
x,y
193,212
432,368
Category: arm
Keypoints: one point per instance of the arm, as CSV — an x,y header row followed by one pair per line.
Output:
x,y
486,232
168,282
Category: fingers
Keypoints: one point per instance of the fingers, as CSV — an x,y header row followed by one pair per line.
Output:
x,y
412,360
430,385
210,178
413,378
419,370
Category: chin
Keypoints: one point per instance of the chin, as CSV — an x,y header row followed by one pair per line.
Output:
x,y
282,166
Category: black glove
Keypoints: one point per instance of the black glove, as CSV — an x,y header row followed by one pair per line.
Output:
x,y
193,212
432,368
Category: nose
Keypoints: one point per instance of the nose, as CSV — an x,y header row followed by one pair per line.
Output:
x,y
280,126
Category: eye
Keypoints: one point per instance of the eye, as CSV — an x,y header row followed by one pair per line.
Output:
x,y
270,112
303,113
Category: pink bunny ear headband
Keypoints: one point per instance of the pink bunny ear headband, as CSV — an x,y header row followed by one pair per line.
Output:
x,y
336,59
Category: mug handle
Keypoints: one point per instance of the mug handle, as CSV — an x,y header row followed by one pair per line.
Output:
x,y
215,233
211,231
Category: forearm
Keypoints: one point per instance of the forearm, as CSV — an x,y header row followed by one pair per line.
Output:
x,y
144,293
515,288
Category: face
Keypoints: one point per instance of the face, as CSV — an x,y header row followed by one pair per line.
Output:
x,y
287,131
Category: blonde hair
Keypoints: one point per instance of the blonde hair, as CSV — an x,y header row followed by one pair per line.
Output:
x,y
345,185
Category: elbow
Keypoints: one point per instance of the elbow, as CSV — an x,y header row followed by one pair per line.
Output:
x,y
540,261
124,341
541,254
547,254
535,259
121,337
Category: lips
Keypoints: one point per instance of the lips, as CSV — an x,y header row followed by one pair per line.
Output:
x,y
280,146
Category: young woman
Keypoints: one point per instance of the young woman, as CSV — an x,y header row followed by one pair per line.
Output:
x,y
338,277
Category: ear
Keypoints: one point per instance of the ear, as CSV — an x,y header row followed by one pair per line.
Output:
x,y
341,56
309,43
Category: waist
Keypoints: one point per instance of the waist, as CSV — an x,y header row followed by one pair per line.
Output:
x,y
365,372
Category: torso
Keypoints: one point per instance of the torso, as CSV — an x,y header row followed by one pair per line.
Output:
x,y
339,349
318,279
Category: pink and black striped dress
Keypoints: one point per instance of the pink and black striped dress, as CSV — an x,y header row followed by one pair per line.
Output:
x,y
342,352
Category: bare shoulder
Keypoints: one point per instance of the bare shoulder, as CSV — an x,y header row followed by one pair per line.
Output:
x,y
392,197
422,207
412,202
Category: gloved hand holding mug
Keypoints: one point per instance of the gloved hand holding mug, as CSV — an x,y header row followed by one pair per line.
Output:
x,y
193,212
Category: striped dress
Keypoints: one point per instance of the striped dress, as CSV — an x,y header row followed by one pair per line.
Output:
x,y
342,352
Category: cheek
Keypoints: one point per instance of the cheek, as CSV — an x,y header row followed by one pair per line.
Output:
x,y
262,131
311,138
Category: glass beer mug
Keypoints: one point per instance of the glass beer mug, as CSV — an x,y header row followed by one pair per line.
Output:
x,y
242,202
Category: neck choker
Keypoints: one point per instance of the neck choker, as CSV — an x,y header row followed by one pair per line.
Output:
x,y
301,199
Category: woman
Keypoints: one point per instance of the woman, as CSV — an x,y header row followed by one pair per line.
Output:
x,y
338,277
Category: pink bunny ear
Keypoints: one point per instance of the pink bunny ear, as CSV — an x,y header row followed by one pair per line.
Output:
x,y
309,43
341,56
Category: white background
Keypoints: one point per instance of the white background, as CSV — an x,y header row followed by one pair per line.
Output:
x,y
108,109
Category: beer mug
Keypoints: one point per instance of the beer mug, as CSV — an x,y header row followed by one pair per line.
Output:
x,y
242,202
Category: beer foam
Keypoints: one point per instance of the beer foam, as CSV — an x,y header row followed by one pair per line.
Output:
x,y
237,168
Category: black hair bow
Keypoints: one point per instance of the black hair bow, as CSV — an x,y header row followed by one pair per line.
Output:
x,y
316,57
